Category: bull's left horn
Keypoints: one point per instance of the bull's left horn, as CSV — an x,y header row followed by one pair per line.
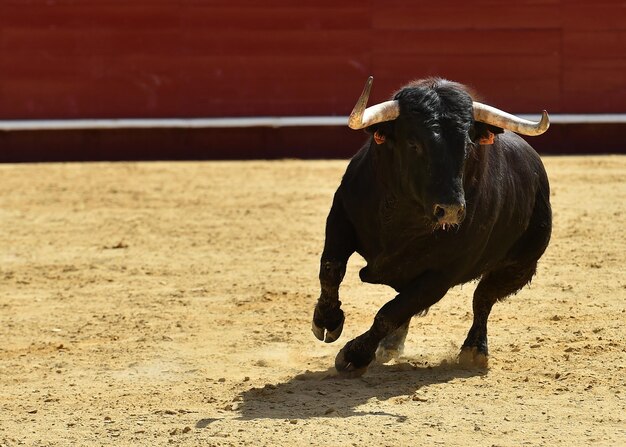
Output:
x,y
362,117
496,117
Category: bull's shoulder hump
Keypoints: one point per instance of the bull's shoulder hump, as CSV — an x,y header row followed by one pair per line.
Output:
x,y
516,151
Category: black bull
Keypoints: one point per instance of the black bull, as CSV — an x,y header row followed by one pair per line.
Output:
x,y
433,199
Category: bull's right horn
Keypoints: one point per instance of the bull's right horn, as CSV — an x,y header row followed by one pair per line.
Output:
x,y
362,117
496,117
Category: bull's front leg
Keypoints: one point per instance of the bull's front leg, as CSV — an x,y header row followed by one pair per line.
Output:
x,y
328,318
357,354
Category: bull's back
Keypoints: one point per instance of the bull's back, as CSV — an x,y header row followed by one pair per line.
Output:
x,y
533,196
514,191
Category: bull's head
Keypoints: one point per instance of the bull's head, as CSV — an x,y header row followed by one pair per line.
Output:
x,y
431,126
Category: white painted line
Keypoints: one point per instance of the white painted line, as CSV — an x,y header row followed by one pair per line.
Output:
x,y
270,121
174,123
599,118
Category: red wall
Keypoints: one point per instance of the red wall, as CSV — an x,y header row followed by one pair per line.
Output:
x,y
191,58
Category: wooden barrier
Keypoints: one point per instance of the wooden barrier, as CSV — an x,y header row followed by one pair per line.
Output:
x,y
189,59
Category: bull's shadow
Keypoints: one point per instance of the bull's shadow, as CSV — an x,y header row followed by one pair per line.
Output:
x,y
324,394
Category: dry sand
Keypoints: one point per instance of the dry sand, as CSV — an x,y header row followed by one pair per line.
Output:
x,y
170,303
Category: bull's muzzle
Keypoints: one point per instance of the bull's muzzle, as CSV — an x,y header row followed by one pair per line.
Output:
x,y
449,214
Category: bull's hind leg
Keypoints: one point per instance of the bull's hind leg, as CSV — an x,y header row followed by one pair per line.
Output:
x,y
392,346
499,283
413,299
494,286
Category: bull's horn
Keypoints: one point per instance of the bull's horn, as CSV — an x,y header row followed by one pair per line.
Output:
x,y
362,117
496,117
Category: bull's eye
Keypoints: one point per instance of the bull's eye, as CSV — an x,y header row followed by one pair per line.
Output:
x,y
416,147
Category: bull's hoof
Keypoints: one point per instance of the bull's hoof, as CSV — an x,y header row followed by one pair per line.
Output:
x,y
347,369
325,335
471,357
353,362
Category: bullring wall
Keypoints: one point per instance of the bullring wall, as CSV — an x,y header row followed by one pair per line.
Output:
x,y
69,59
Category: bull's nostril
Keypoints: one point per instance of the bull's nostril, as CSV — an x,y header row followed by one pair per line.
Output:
x,y
449,214
461,213
439,212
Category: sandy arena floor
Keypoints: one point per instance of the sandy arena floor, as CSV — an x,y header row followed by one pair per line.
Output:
x,y
170,303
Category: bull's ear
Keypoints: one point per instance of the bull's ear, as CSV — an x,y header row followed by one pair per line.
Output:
x,y
385,129
382,132
494,129
482,133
